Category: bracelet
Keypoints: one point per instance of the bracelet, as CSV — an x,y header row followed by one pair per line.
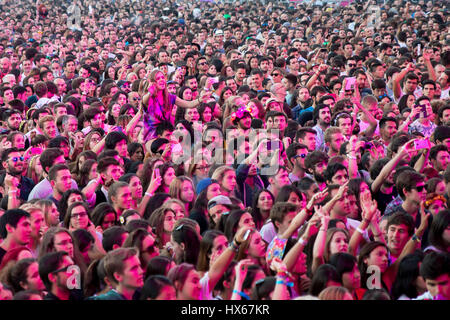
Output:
x,y
148,194
242,294
286,283
359,230
302,241
416,238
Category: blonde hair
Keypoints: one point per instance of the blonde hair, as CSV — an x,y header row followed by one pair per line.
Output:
x,y
333,293
219,173
31,172
175,188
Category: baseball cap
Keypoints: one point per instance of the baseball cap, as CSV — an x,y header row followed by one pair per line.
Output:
x,y
218,32
223,200
203,184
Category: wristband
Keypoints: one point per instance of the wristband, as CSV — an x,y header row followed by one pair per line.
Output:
x,y
286,283
302,241
148,194
416,238
242,294
360,230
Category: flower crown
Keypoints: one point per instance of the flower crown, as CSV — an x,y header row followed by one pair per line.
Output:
x,y
239,113
436,198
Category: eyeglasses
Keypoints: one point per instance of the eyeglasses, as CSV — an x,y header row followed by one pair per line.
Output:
x,y
78,215
202,63
303,156
15,159
419,188
61,270
351,65
136,99
203,168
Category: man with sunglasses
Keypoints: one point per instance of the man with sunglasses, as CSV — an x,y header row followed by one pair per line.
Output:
x,y
15,184
58,273
296,154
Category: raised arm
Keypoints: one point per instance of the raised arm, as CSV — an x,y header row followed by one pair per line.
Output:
x,y
404,150
398,78
319,244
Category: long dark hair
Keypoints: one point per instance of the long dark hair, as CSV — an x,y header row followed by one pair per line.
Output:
x,y
256,213
184,234
408,271
438,226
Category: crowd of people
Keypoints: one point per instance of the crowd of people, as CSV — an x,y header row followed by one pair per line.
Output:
x,y
190,150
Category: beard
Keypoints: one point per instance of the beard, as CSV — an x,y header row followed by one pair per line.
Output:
x,y
319,177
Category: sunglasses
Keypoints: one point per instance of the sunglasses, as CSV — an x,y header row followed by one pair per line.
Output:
x,y
275,74
202,63
352,65
61,270
15,159
419,188
303,156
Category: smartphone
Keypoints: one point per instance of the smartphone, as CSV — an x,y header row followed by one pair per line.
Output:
x,y
350,83
423,112
157,172
269,145
420,144
247,233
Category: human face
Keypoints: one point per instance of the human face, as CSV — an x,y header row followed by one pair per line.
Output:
x,y
324,116
415,195
340,177
135,188
310,141
123,198
63,181
18,141
33,281
22,232
113,172
192,115
37,224
389,129
14,121
442,160
79,218
187,192
410,85
191,289
108,221
220,244
246,220
14,167
257,246
294,199
437,206
336,141
169,221
397,237
439,286
63,242
160,81
229,181
338,243
213,190
265,201
351,280
169,176
167,293
132,276
187,94
179,210
207,115
378,257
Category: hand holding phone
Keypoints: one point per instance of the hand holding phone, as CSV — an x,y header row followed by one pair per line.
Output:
x,y
421,144
350,83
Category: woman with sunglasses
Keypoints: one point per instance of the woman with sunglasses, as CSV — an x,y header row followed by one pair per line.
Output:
x,y
145,243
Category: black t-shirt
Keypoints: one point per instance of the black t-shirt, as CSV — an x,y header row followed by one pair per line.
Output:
x,y
383,199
